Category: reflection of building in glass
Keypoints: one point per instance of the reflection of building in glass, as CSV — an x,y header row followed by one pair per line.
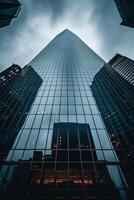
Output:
x,y
66,173
63,108
18,88
73,141
124,66
115,98
126,10
9,9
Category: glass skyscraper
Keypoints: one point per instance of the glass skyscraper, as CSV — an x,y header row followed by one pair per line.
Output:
x,y
18,88
124,66
126,10
63,150
115,98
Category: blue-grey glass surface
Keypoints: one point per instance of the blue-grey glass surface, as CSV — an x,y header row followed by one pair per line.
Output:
x,y
67,67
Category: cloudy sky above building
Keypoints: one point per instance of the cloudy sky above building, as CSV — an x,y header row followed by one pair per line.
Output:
x,y
96,22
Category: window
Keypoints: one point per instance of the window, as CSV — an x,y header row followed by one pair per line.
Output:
x,y
37,121
55,109
45,122
48,109
91,100
70,100
71,109
104,139
29,121
94,109
89,120
98,121
37,100
23,139
34,109
32,139
79,109
63,118
63,109
78,100
87,109
84,99
50,100
43,100
57,100
63,100
49,140
54,119
41,109
72,118
42,138
81,118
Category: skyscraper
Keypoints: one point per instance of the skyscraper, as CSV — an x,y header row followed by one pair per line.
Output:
x,y
18,88
115,98
65,111
126,10
124,66
9,9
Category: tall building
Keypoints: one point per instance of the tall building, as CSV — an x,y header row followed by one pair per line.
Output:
x,y
65,129
9,9
126,10
115,98
124,66
18,88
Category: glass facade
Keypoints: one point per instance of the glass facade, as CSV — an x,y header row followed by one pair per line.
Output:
x,y
124,66
64,104
116,104
126,10
18,88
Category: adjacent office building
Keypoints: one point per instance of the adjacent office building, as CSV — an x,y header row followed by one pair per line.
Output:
x,y
9,9
115,98
18,87
124,66
64,139
126,10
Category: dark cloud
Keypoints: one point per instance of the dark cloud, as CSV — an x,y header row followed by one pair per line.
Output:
x,y
114,37
13,37
54,7
97,22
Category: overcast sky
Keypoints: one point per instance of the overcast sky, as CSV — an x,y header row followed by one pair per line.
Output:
x,y
96,22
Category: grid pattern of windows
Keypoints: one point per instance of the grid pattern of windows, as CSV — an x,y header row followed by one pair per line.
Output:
x,y
116,104
124,66
57,105
18,88
67,67
126,9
